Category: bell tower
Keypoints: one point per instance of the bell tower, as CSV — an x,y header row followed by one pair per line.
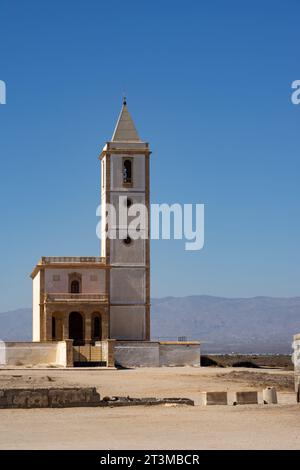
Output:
x,y
125,180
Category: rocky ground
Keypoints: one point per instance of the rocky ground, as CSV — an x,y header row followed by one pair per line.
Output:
x,y
273,361
259,380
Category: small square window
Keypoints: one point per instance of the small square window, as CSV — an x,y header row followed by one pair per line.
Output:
x,y
56,277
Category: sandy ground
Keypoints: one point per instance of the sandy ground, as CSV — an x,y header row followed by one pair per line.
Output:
x,y
162,427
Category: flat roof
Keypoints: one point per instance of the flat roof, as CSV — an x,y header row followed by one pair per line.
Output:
x,y
67,262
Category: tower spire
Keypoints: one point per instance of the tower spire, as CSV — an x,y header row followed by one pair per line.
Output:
x,y
125,130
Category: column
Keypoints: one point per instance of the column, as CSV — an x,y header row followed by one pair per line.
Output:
x,y
88,326
48,323
105,323
66,325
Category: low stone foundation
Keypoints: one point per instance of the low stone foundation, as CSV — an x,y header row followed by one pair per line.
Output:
x,y
128,401
49,397
74,397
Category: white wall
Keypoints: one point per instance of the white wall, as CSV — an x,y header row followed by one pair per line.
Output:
x,y
179,354
155,354
61,353
296,353
30,354
103,208
296,361
36,307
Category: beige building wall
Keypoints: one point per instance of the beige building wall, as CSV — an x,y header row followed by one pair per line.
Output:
x,y
92,280
53,300
29,354
123,274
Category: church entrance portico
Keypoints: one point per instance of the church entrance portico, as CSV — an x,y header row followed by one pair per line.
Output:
x,y
80,323
86,327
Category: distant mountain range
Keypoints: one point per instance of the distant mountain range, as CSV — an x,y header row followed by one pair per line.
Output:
x,y
245,325
225,325
16,325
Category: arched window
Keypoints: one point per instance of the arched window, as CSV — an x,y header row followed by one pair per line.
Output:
x,y
53,328
127,171
97,333
75,283
75,287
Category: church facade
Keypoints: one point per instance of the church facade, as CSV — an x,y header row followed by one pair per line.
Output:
x,y
108,297
96,310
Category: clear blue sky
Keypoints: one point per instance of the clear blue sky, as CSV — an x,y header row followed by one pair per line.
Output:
x,y
208,85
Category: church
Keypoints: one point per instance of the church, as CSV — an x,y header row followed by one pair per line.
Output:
x,y
100,306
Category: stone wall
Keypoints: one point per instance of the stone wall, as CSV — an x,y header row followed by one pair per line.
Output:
x,y
48,353
67,397
137,354
119,353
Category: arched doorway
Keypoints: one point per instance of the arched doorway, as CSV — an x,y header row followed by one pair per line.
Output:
x,y
53,328
76,327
